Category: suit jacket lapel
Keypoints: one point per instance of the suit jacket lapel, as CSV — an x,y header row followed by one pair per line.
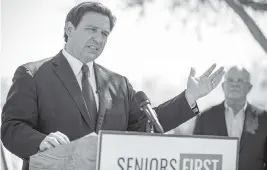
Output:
x,y
105,100
221,121
250,126
66,75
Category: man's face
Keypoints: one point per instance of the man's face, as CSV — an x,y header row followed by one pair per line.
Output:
x,y
237,84
87,41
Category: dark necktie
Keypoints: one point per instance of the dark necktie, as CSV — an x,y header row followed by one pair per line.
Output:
x,y
88,94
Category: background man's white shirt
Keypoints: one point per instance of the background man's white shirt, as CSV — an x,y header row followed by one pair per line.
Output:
x,y
234,123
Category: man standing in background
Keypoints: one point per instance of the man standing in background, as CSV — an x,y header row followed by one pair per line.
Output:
x,y
235,117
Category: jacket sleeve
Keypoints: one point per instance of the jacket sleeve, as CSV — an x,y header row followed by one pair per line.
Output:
x,y
19,130
171,113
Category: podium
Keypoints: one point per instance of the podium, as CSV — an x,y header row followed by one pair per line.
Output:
x,y
80,154
113,150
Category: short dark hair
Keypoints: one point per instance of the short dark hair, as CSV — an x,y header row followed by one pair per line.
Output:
x,y
76,13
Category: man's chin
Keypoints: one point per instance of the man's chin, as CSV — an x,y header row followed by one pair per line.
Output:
x,y
234,96
91,57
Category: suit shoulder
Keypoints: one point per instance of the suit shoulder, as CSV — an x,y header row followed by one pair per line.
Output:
x,y
110,74
259,111
32,67
116,80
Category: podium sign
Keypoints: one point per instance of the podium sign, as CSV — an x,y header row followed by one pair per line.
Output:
x,y
143,151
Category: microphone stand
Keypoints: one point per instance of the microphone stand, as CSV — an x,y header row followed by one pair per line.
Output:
x,y
151,127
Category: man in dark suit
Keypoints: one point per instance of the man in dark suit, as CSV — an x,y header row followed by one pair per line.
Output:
x,y
65,97
235,117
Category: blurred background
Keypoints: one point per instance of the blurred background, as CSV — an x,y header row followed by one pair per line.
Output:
x,y
154,44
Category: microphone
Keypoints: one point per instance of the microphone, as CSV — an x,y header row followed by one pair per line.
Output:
x,y
145,106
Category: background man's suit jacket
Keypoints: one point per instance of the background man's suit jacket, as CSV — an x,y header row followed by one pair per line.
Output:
x,y
45,97
253,140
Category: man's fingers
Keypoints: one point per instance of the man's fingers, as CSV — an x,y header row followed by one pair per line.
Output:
x,y
192,72
65,137
217,79
217,73
53,141
45,145
58,138
209,71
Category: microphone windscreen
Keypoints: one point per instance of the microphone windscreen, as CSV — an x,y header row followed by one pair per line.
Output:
x,y
141,98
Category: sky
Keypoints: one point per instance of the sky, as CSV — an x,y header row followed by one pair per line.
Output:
x,y
137,48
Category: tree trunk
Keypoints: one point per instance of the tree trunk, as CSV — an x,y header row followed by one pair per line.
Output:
x,y
250,23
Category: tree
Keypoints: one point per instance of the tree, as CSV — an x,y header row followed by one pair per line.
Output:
x,y
240,7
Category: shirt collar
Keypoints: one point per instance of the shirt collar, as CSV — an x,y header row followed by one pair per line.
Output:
x,y
229,108
76,64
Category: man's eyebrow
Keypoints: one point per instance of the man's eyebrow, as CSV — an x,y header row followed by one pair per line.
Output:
x,y
90,25
96,27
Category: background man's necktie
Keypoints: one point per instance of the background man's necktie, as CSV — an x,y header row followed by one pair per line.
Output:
x,y
88,94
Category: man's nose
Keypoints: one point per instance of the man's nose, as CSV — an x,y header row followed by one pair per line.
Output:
x,y
98,38
236,84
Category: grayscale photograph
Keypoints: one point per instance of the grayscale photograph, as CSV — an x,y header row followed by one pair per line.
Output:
x,y
133,85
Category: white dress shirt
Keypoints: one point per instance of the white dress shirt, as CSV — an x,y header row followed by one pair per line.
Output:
x,y
234,122
76,66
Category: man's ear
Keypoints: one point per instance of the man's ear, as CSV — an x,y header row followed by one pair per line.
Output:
x,y
69,27
250,87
